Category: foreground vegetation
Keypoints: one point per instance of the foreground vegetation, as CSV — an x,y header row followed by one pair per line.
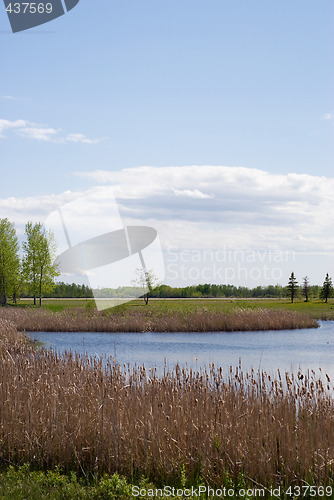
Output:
x,y
17,483
214,426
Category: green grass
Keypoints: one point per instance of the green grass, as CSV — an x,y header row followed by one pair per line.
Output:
x,y
159,307
315,308
55,305
23,483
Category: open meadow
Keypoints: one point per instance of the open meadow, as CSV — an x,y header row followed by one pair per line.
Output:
x,y
315,308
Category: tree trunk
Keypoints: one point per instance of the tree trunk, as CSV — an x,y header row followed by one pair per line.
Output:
x,y
40,289
4,302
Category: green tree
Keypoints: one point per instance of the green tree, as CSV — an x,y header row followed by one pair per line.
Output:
x,y
17,284
9,260
38,268
147,280
292,286
327,289
306,288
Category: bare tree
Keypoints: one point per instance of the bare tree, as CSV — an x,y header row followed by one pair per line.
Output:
x,y
306,288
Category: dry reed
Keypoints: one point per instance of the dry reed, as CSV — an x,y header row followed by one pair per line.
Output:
x,y
85,414
144,319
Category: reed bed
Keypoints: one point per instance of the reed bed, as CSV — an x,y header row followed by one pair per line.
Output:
x,y
145,319
92,415
11,341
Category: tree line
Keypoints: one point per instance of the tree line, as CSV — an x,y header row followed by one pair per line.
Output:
x,y
33,273
228,291
61,290
324,292
66,290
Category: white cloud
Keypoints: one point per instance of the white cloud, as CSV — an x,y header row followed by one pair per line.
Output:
x,y
81,138
205,206
6,125
21,210
8,97
212,208
39,132
328,116
234,203
192,193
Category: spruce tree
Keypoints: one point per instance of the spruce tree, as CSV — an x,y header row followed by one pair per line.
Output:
x,y
327,289
292,286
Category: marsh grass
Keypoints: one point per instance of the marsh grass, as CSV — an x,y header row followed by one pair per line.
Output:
x,y
89,415
141,319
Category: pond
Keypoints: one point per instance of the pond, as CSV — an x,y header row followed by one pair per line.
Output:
x,y
269,350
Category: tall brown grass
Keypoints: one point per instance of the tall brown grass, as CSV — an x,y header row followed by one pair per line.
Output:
x,y
140,320
81,413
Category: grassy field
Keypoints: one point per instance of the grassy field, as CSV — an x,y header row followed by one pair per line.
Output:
x,y
185,428
316,309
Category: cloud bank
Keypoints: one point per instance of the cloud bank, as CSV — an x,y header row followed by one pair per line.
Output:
x,y
216,224
211,206
205,205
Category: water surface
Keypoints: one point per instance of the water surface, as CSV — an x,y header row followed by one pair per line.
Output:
x,y
284,349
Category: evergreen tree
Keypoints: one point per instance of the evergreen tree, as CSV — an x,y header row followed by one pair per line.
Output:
x,y
292,286
327,289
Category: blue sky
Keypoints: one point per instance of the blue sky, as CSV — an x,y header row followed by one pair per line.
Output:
x,y
116,85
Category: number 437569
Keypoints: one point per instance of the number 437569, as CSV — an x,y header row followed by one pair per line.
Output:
x,y
309,491
29,8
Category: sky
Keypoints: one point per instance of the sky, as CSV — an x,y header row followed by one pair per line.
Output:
x,y
212,121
